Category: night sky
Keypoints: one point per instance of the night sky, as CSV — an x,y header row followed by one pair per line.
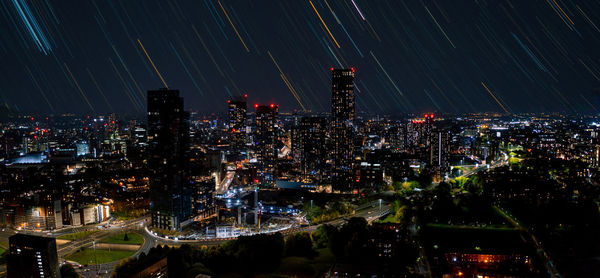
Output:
x,y
84,56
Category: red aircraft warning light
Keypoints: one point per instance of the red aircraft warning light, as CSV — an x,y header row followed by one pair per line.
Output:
x,y
272,105
332,68
246,95
352,68
256,105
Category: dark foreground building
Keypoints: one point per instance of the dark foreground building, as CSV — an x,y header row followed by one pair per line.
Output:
x,y
32,256
168,140
342,125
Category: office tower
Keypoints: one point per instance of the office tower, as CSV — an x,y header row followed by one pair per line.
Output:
x,y
237,124
342,112
312,146
168,136
266,140
439,152
32,256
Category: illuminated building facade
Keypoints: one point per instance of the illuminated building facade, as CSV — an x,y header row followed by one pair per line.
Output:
x,y
168,135
237,110
312,146
342,124
266,139
439,152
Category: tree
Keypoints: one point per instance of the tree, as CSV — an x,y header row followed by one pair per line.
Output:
x,y
67,271
179,261
321,236
443,189
126,238
408,186
474,185
257,253
425,178
299,245
459,182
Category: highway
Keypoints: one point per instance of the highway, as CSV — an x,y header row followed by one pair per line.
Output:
x,y
223,186
371,212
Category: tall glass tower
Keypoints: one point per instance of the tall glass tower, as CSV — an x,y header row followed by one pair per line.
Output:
x,y
168,139
343,113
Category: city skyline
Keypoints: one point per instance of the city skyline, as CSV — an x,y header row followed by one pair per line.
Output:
x,y
307,138
499,56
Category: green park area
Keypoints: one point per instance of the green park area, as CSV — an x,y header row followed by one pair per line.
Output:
x,y
3,249
125,238
99,256
77,236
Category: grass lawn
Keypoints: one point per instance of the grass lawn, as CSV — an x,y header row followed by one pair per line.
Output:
x,y
134,238
76,236
121,216
3,244
2,254
102,256
3,249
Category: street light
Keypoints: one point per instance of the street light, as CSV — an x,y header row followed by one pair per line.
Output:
x,y
95,258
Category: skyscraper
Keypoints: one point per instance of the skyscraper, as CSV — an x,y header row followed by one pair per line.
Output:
x,y
343,113
312,146
32,256
168,136
237,109
439,151
266,140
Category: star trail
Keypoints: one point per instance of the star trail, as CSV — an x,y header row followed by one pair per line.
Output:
x,y
99,56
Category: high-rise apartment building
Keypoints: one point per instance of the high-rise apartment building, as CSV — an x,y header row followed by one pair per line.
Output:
x,y
237,110
312,149
439,152
266,139
168,136
342,124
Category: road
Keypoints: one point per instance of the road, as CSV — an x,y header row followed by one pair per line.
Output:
x,y
225,183
371,211
105,270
